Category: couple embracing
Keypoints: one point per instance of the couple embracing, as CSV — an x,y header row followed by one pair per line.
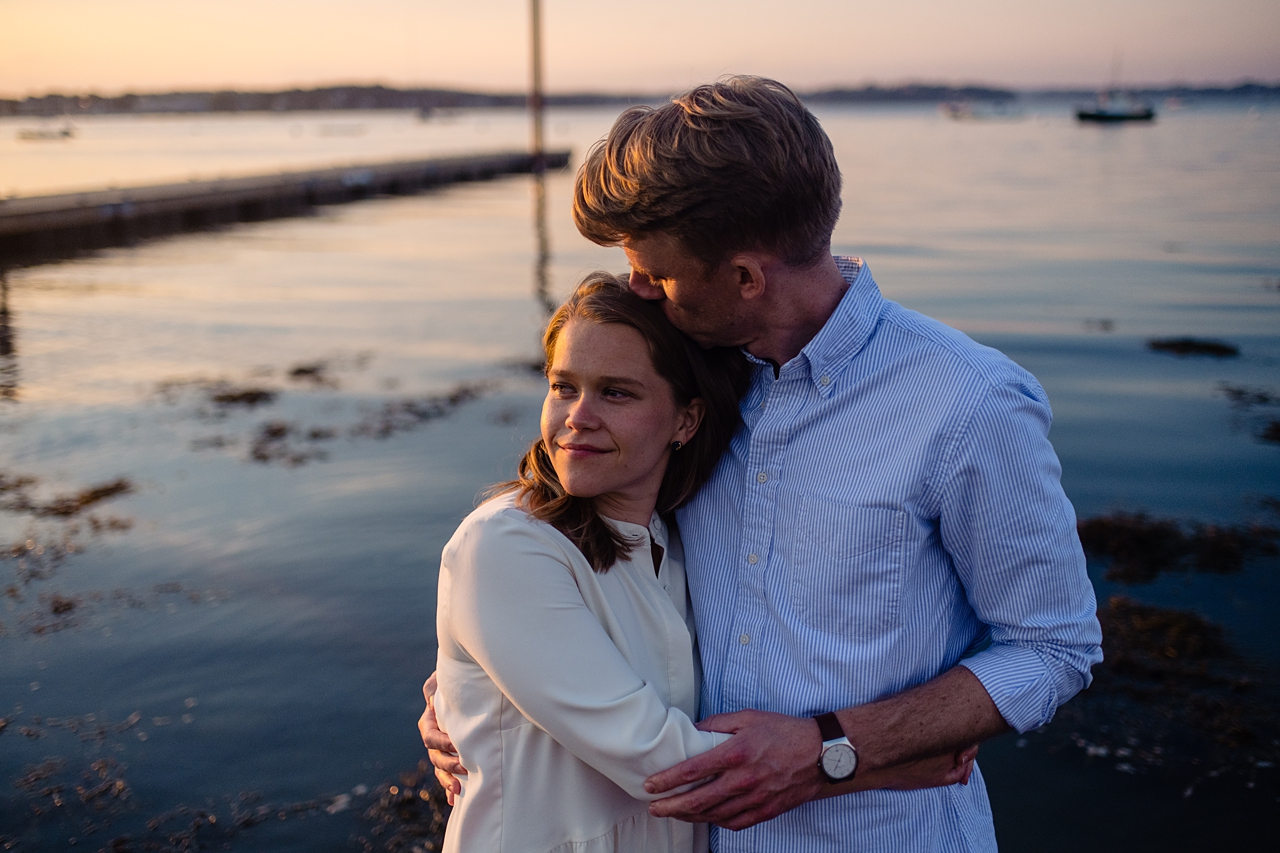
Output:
x,y
857,506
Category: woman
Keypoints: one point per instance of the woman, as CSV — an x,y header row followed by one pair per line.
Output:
x,y
567,668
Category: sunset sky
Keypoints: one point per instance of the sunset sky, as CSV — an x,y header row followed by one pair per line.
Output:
x,y
115,46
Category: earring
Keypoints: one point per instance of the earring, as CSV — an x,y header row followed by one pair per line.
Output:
x,y
676,445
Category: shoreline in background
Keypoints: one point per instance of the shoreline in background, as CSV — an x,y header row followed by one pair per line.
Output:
x,y
426,99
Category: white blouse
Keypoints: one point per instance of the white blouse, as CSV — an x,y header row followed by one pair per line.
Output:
x,y
563,688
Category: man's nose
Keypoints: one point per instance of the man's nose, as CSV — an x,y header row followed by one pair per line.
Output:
x,y
641,285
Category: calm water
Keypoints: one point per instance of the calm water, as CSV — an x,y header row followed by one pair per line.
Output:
x,y
263,597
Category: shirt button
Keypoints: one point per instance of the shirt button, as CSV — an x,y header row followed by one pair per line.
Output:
x,y
762,477
824,380
744,639
752,559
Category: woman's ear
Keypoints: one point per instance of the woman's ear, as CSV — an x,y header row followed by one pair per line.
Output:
x,y
689,421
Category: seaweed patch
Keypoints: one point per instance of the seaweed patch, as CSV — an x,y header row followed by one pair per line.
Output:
x,y
1245,397
97,805
1141,548
16,495
1271,432
1172,697
249,398
403,415
1247,400
272,443
281,442
409,817
316,373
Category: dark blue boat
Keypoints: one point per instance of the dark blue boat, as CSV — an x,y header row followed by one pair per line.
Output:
x,y
1111,108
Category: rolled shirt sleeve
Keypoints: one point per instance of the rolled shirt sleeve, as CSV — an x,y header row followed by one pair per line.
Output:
x,y
1011,534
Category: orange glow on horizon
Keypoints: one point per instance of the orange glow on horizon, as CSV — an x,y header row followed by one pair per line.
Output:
x,y
157,45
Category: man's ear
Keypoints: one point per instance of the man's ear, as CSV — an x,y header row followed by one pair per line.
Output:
x,y
748,271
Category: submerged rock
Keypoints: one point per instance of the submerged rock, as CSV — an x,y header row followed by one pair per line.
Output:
x,y
1194,346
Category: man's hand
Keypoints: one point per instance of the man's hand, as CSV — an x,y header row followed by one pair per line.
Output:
x,y
769,767
441,751
913,739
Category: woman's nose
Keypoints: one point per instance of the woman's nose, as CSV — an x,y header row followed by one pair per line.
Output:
x,y
581,414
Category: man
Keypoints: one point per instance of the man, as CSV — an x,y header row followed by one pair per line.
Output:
x,y
884,565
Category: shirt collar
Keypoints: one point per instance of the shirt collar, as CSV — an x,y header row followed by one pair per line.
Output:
x,y
656,532
844,334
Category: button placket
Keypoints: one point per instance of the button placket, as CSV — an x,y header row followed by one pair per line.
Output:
x,y
741,678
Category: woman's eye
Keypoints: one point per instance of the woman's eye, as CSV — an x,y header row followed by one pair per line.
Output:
x,y
560,389
615,393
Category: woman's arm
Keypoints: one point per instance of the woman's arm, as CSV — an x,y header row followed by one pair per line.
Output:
x,y
510,603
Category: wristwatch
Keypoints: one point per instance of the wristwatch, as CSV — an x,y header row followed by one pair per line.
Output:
x,y
839,760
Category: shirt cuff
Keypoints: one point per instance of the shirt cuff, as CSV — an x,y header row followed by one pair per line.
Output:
x,y
1019,682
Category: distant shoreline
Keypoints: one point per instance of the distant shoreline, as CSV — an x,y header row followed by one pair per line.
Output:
x,y
386,98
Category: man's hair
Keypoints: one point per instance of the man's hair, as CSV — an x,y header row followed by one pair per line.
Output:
x,y
726,167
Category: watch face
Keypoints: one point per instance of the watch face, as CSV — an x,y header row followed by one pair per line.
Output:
x,y
839,761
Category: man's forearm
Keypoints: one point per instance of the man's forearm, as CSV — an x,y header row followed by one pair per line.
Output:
x,y
943,715
770,765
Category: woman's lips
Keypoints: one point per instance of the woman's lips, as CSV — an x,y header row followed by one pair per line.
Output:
x,y
583,450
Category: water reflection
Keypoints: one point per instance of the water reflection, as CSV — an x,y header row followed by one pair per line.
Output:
x,y
158,363
542,256
8,353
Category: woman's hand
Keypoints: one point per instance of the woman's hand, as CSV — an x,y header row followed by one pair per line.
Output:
x,y
440,750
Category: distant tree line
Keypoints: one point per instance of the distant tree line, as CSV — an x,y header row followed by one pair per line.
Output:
x,y
1261,91
913,92
330,98
384,98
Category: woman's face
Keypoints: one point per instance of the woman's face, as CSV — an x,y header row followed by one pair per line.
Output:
x,y
609,418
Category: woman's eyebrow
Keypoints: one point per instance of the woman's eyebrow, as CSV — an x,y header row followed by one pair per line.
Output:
x,y
603,380
622,380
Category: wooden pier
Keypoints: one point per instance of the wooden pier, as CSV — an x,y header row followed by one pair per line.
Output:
x,y
45,228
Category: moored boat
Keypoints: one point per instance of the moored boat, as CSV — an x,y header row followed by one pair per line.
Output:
x,y
1110,108
45,134
994,111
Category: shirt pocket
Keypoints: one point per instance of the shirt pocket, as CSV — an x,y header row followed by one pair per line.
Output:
x,y
848,566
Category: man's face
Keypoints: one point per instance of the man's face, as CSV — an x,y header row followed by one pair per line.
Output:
x,y
705,305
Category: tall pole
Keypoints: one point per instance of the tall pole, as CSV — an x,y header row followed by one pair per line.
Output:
x,y
535,88
543,257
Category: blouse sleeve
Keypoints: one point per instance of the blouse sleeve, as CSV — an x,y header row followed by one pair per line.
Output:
x,y
511,605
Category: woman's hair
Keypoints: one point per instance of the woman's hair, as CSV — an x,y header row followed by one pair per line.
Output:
x,y
726,167
718,377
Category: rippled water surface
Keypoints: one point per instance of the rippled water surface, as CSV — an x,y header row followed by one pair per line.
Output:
x,y
296,413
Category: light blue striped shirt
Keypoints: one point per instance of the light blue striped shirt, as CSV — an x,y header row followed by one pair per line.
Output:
x,y
891,508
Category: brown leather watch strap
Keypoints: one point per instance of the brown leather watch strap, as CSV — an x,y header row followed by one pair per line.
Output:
x,y
829,726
